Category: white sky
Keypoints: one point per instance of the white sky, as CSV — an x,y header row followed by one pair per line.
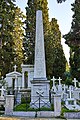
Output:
x,y
62,12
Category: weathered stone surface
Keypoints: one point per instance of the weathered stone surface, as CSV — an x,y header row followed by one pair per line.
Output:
x,y
57,105
45,114
24,114
39,67
34,114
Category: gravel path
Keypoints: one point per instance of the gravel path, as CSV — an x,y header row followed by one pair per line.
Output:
x,y
12,118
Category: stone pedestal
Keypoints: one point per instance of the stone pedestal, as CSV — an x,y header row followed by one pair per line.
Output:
x,y
40,94
9,104
57,105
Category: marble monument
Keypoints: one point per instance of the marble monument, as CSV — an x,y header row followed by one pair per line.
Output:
x,y
39,85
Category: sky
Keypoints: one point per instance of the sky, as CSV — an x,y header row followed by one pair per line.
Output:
x,y
63,14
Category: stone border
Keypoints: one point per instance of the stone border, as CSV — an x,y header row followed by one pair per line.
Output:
x,y
34,114
72,115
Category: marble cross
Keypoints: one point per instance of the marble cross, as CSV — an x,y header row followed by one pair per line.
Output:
x,y
15,68
59,81
53,79
75,81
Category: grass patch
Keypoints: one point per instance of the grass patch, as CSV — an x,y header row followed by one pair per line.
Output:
x,y
26,107
21,107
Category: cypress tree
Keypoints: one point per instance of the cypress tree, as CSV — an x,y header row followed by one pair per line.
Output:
x,y
55,56
73,41
6,40
17,35
11,36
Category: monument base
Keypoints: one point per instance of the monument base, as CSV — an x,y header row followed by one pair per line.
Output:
x,y
40,94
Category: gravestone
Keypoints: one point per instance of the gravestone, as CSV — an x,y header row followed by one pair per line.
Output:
x,y
9,104
76,93
39,81
70,102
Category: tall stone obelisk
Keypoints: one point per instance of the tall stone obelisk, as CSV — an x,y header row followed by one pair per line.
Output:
x,y
39,67
40,84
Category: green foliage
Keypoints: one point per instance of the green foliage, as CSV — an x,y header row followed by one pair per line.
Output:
x,y
11,36
6,41
17,35
73,41
68,79
55,59
21,107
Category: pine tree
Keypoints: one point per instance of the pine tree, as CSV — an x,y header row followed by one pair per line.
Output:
x,y
73,41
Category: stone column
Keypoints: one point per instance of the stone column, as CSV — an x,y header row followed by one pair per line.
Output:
x,y
22,79
15,83
57,105
9,104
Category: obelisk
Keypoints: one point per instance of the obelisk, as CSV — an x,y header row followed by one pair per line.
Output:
x,y
39,84
39,66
